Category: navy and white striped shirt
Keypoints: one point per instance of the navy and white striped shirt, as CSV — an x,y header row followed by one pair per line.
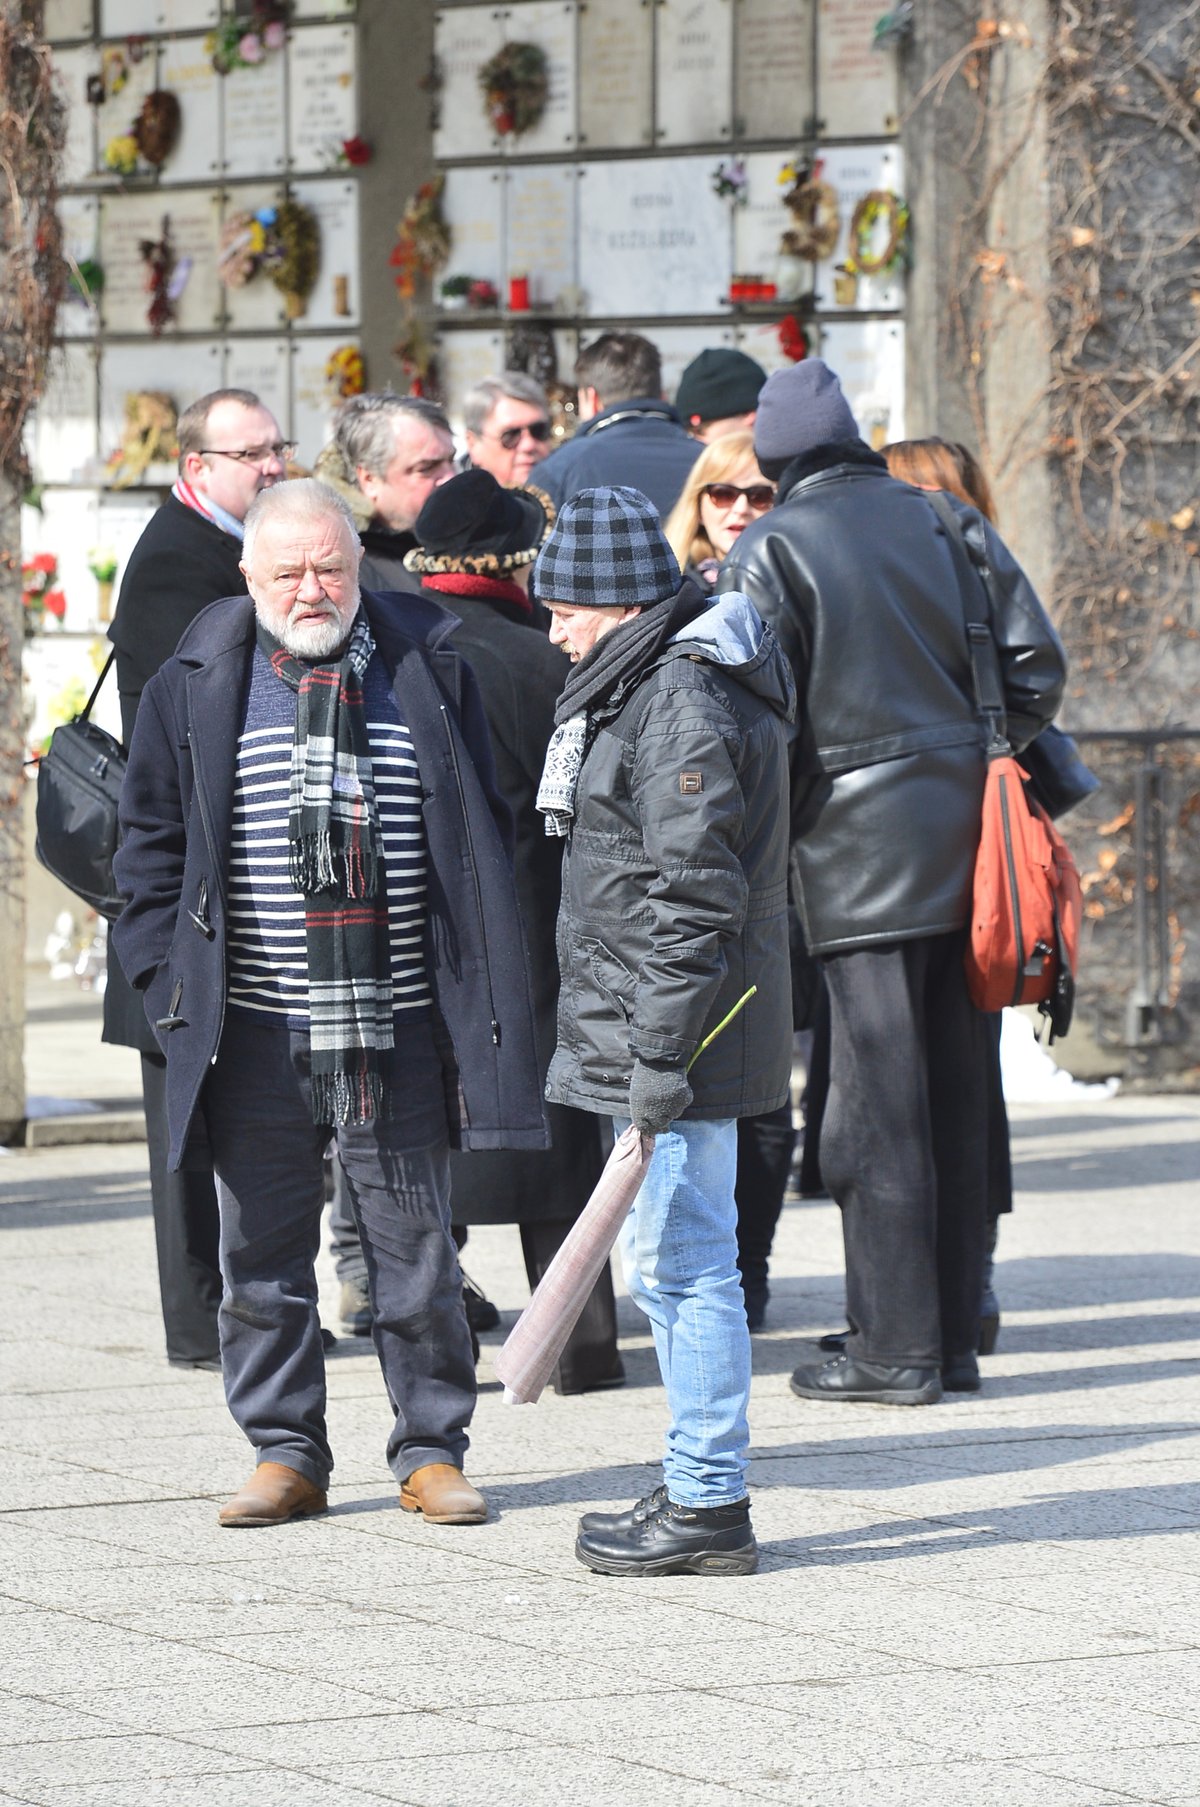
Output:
x,y
267,962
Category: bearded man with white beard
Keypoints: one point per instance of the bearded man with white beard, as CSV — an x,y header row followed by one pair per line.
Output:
x,y
313,853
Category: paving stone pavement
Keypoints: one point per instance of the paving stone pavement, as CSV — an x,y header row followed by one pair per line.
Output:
x,y
995,1600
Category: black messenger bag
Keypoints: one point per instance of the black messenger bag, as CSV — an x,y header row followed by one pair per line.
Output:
x,y
78,787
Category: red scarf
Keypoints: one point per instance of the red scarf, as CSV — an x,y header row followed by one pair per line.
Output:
x,y
487,589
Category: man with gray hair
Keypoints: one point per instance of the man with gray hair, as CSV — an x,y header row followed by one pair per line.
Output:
x,y
507,421
388,455
312,851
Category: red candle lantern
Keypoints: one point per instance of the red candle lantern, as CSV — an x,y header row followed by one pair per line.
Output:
x,y
518,294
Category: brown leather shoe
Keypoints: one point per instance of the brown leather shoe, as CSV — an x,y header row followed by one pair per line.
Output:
x,y
443,1494
273,1494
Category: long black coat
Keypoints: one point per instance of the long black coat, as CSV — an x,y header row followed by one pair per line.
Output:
x,y
520,676
180,564
853,570
176,815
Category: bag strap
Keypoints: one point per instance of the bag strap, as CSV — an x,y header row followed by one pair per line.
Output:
x,y
981,646
87,707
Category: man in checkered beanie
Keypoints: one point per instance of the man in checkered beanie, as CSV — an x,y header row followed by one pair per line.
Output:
x,y
667,780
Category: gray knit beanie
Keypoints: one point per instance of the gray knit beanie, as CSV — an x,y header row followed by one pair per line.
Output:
x,y
606,551
799,408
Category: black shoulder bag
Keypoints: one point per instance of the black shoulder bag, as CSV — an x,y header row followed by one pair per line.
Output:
x,y
78,788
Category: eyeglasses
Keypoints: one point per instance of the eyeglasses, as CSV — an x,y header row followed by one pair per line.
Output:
x,y
759,495
254,454
510,439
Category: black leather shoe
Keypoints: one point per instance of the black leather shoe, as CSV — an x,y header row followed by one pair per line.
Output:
x,y
481,1313
621,1521
674,1540
960,1374
849,1377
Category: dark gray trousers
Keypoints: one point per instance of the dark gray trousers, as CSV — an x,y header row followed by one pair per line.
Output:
x,y
185,1233
904,1147
267,1154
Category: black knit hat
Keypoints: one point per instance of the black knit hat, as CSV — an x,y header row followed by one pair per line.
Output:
x,y
473,524
607,551
718,384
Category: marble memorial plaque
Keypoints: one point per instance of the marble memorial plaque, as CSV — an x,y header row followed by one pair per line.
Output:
x,y
130,18
125,221
322,94
759,225
335,300
616,57
854,170
473,206
258,302
180,368
67,19
868,356
313,402
695,55
464,38
550,23
261,365
195,216
62,441
78,317
188,72
464,358
654,239
253,111
321,9
857,94
773,47
540,213
73,67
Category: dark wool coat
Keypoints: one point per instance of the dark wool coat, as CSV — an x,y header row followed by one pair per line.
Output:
x,y
382,567
180,564
675,877
520,676
176,814
639,444
853,570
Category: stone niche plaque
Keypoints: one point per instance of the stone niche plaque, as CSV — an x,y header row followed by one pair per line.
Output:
x,y
465,358
181,369
464,38
188,72
63,443
695,55
473,208
616,57
73,67
253,137
334,301
540,215
322,9
128,18
116,114
78,318
759,225
66,19
653,237
313,402
854,170
857,94
773,51
868,356
258,303
127,220
262,366
550,23
322,95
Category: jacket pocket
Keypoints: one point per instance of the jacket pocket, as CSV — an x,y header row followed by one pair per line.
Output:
x,y
612,977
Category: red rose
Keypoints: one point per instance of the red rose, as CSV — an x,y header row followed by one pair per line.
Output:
x,y
356,150
55,603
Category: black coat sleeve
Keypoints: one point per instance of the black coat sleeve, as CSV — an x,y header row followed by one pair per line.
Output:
x,y
1033,664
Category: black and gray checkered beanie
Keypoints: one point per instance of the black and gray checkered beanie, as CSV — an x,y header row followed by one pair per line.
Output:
x,y
607,551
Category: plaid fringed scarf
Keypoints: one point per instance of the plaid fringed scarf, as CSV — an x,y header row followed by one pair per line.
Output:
x,y
335,862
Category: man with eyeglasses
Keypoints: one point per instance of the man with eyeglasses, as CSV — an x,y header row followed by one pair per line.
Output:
x,y
388,455
507,422
230,449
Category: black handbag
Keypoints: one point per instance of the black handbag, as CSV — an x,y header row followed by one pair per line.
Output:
x,y
78,788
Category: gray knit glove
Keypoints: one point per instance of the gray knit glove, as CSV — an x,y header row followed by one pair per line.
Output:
x,y
657,1096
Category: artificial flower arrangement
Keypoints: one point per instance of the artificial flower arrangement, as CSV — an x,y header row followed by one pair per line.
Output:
x,y
731,182
422,238
242,42
284,242
345,373
151,138
39,598
515,84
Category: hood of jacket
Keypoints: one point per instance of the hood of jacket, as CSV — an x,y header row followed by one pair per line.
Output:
x,y
732,634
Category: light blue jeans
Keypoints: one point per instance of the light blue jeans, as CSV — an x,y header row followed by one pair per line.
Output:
x,y
679,1253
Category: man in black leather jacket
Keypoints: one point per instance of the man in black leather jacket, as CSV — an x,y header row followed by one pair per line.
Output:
x,y
854,571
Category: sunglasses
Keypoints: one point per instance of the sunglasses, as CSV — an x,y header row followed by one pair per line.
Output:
x,y
510,439
759,495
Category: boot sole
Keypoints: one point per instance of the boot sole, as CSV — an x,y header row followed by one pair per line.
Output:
x,y
247,1521
702,1562
442,1518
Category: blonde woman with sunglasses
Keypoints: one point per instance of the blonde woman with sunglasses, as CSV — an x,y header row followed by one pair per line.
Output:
x,y
724,493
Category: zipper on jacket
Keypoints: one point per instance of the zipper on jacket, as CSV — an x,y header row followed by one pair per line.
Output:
x,y
1013,892
462,803
212,848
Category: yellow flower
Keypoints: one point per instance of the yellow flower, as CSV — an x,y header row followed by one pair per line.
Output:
x,y
121,153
